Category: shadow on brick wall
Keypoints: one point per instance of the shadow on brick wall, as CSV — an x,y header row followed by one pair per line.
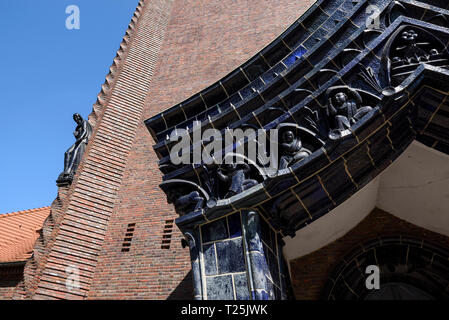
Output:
x,y
184,291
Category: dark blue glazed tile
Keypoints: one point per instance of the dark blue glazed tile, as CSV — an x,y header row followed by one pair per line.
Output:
x,y
359,163
310,165
235,225
315,19
253,233
241,287
290,207
334,20
297,35
257,84
360,21
380,148
220,288
213,95
294,56
428,104
210,262
273,73
273,266
277,86
265,233
213,231
348,5
265,296
260,269
313,196
249,106
273,239
337,182
256,68
247,92
276,53
235,99
315,38
254,243
330,6
296,74
277,293
253,295
265,253
235,82
281,183
214,111
230,256
188,218
368,125
401,134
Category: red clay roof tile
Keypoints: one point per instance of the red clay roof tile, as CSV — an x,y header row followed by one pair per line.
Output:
x,y
18,233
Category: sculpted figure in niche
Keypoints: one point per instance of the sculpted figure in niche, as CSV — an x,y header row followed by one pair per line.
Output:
x,y
73,155
408,48
292,150
187,196
184,204
345,108
236,176
412,51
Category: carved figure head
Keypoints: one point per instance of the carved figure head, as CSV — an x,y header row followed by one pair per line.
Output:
x,y
78,119
341,98
173,196
288,136
229,167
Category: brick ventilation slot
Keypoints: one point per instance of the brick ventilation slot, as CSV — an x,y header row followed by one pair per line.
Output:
x,y
126,245
166,236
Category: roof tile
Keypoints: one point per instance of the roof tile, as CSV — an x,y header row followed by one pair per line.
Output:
x,y
18,233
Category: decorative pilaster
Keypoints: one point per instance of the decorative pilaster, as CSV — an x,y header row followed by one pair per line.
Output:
x,y
237,257
264,258
193,241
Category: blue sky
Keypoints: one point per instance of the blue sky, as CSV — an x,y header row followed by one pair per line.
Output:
x,y
48,73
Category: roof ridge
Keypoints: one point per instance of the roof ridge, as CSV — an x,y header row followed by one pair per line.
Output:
x,y
16,213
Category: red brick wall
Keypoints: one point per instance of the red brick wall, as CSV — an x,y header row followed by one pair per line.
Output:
x,y
77,235
205,40
10,276
172,49
311,272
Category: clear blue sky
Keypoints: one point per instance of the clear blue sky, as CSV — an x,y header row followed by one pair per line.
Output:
x,y
47,74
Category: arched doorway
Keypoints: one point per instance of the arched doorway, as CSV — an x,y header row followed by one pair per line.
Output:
x,y
409,269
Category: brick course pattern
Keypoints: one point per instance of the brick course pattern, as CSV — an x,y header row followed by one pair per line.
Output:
x,y
77,234
311,273
172,49
204,41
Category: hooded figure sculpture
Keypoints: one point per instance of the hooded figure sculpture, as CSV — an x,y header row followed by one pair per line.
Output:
x,y
73,155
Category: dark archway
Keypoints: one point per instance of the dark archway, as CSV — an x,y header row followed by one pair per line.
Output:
x,y
410,269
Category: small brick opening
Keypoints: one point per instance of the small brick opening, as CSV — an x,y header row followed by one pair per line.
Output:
x,y
167,234
126,245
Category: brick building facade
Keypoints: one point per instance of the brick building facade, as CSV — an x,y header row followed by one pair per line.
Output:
x,y
171,50
112,231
